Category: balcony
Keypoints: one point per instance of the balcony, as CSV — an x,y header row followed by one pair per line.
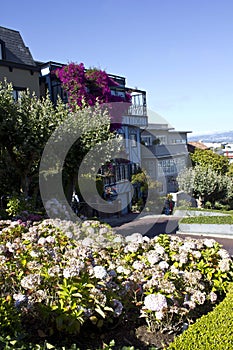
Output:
x,y
117,173
160,151
137,111
134,120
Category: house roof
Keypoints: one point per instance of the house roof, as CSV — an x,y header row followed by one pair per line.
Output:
x,y
196,145
15,49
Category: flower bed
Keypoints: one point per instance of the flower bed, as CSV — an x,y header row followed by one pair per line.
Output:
x,y
59,278
207,225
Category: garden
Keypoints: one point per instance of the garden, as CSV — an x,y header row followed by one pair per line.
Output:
x,y
78,285
66,285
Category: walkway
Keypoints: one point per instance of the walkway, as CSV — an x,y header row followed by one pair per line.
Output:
x,y
153,225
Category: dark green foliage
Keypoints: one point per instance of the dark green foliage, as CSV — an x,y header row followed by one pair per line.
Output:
x,y
213,331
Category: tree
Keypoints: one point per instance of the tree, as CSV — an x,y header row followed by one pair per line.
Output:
x,y
25,127
93,124
230,170
205,183
207,159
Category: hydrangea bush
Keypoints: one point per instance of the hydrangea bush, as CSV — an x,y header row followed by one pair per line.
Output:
x,y
58,276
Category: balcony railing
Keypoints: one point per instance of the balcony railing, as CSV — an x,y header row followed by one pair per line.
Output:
x,y
137,110
136,120
164,150
117,173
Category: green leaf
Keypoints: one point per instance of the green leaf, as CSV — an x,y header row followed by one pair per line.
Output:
x,y
100,312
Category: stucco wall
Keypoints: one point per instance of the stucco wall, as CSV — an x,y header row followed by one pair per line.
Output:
x,y
21,78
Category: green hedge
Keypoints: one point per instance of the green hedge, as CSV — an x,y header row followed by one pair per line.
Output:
x,y
213,331
207,220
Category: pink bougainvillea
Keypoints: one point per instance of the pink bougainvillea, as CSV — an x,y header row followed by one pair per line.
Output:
x,y
89,86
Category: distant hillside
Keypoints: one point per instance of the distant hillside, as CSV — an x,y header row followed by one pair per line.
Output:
x,y
221,136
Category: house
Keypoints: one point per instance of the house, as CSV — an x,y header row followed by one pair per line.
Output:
x,y
164,154
16,63
133,120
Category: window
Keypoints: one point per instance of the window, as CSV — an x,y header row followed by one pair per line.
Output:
x,y
178,141
133,139
17,92
147,140
171,166
2,50
163,139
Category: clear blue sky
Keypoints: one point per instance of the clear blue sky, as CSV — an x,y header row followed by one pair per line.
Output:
x,y
179,51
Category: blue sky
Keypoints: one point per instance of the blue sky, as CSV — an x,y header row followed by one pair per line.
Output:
x,y
179,51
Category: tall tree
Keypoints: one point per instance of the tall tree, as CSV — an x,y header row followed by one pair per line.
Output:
x,y
25,127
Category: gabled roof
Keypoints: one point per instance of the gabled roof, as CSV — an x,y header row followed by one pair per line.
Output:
x,y
15,49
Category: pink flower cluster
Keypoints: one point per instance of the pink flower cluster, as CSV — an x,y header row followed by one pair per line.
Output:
x,y
88,85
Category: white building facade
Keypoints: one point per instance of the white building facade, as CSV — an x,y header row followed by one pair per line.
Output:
x,y
164,155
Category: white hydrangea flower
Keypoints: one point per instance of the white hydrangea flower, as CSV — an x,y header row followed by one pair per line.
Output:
x,y
40,295
224,265
135,237
87,242
163,265
190,304
30,281
213,297
138,265
153,257
118,239
70,272
100,272
223,253
131,247
174,270
90,230
86,223
188,246
20,297
54,270
103,230
183,258
196,254
41,241
155,302
209,243
10,247
120,269
50,239
69,234
159,249
198,297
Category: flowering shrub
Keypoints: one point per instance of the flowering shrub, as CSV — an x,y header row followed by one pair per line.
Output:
x,y
88,85
64,275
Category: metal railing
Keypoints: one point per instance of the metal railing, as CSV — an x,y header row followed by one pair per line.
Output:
x,y
116,173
